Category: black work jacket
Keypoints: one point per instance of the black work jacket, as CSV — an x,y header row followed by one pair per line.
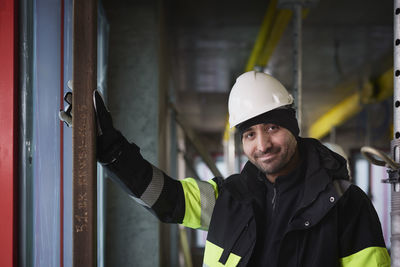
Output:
x,y
333,221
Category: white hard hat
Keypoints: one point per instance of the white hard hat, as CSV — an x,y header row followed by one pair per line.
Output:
x,y
255,93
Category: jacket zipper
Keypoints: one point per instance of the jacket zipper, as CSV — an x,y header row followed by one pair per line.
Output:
x,y
273,201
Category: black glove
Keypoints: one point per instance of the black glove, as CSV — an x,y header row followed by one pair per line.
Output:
x,y
110,142
117,154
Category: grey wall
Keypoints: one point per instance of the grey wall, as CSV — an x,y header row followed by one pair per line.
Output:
x,y
132,233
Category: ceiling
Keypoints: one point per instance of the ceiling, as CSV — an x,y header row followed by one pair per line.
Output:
x,y
344,43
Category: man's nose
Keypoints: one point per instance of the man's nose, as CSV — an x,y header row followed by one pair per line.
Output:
x,y
264,142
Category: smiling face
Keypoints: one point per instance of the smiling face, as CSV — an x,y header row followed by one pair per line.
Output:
x,y
273,149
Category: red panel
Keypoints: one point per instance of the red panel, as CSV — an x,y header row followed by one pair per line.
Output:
x,y
8,132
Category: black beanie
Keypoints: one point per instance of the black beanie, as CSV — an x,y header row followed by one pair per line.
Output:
x,y
284,117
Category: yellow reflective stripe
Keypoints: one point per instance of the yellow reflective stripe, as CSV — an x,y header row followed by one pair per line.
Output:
x,y
192,203
194,200
369,257
213,253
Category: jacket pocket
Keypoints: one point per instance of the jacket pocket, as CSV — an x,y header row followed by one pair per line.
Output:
x,y
218,256
213,253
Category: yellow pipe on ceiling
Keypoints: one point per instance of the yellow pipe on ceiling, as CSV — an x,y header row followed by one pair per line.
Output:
x,y
273,36
385,83
375,91
280,24
337,115
263,34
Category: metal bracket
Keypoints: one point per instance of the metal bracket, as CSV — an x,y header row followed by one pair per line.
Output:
x,y
394,177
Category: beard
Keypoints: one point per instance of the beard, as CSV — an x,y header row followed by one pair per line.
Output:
x,y
275,165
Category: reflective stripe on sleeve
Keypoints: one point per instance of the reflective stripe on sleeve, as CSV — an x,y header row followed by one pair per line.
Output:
x,y
369,257
213,253
154,189
207,200
200,199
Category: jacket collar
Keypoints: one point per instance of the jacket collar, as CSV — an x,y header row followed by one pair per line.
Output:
x,y
322,167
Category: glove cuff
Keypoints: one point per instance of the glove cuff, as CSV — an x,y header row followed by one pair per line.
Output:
x,y
110,147
124,160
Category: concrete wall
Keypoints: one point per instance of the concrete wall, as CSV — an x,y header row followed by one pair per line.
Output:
x,y
132,233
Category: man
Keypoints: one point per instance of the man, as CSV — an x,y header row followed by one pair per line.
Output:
x,y
291,205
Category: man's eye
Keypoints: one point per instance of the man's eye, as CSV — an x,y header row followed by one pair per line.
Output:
x,y
272,128
248,135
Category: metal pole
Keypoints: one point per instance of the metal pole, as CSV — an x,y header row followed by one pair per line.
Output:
x,y
229,150
297,60
26,237
84,133
395,207
194,139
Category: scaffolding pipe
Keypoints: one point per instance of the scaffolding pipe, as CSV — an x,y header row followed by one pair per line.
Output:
x,y
378,158
195,141
297,60
395,207
229,149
